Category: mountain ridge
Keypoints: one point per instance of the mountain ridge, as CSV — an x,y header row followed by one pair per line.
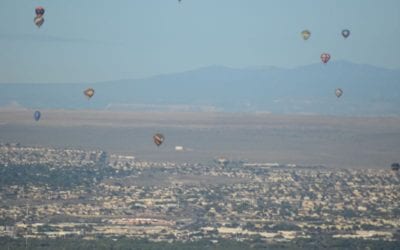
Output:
x,y
368,90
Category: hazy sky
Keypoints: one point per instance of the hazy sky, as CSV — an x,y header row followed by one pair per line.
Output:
x,y
98,40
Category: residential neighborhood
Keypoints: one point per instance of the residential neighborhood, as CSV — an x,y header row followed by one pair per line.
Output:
x,y
114,195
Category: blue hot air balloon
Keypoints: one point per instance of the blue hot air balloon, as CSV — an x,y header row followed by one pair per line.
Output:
x,y
37,115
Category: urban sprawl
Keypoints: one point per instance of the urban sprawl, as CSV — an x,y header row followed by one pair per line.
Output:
x,y
51,193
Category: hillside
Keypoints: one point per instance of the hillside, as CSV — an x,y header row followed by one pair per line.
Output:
x,y
368,90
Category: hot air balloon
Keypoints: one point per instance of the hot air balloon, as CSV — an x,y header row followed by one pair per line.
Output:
x,y
305,34
39,20
345,33
89,93
39,11
325,57
158,139
338,92
37,115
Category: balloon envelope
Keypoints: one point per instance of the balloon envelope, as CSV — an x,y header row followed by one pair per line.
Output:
x,y
325,57
37,115
158,139
89,93
338,92
346,33
39,20
305,34
39,11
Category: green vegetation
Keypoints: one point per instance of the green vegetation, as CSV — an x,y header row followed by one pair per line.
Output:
x,y
60,177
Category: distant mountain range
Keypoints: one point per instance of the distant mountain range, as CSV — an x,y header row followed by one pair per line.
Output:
x,y
368,90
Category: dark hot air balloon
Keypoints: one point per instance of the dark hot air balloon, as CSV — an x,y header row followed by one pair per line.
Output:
x,y
89,93
158,139
325,57
39,11
39,20
345,33
37,115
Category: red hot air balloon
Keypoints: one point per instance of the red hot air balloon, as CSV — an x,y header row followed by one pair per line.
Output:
x,y
39,11
39,20
325,57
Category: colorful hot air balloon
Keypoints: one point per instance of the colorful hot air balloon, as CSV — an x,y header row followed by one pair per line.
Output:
x,y
39,20
338,92
158,139
305,34
325,57
346,33
89,93
37,115
39,11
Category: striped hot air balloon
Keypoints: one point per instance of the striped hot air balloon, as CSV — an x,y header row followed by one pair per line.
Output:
x,y
158,139
39,20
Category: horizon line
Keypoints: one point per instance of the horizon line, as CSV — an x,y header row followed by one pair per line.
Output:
x,y
251,67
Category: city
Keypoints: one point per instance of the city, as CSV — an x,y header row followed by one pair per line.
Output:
x,y
89,194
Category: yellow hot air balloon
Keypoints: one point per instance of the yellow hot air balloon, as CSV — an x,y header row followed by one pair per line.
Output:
x,y
306,34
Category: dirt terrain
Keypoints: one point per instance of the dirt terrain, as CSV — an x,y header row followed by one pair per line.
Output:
x,y
361,142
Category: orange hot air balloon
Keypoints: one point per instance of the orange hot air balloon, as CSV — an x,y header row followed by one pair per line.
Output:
x,y
89,93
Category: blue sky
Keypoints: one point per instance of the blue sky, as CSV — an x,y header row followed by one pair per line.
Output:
x,y
100,40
